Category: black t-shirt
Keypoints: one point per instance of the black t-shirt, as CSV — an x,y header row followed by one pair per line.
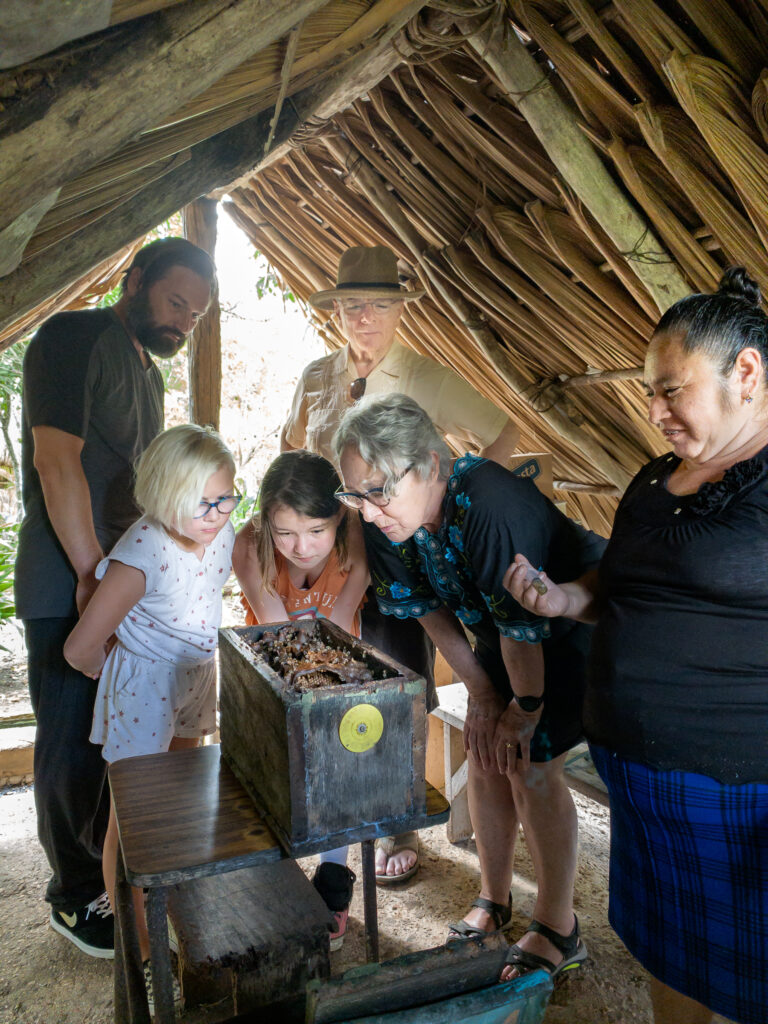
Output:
x,y
489,515
82,375
679,666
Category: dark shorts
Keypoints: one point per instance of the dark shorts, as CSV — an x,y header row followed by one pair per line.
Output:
x,y
559,727
689,882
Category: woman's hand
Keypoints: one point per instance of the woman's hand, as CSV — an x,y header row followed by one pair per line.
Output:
x,y
483,714
514,728
518,581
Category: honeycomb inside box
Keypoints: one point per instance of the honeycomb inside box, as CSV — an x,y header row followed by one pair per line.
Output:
x,y
307,660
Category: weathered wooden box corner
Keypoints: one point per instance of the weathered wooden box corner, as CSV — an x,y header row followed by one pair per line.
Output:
x,y
322,765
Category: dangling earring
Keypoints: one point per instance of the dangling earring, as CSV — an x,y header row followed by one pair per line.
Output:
x,y
748,399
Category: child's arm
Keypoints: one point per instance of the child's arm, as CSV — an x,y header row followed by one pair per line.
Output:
x,y
267,607
356,583
123,586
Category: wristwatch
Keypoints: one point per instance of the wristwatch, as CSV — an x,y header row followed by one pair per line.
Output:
x,y
529,704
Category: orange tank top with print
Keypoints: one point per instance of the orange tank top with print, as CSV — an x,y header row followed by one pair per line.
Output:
x,y
316,602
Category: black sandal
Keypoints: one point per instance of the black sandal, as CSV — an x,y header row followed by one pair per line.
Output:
x,y
500,913
571,946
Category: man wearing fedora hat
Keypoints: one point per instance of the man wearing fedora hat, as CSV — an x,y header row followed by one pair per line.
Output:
x,y
368,301
93,401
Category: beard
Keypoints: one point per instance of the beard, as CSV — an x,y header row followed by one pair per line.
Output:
x,y
161,340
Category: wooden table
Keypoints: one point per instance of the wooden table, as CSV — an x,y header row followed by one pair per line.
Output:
x,y
183,815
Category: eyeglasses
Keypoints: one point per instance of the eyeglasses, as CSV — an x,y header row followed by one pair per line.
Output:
x,y
381,306
223,506
357,388
376,495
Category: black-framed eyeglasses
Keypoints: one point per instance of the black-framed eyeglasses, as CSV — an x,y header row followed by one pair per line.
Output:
x,y
375,496
223,506
357,388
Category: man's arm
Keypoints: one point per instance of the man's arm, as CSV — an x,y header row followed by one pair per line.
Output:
x,y
68,504
501,449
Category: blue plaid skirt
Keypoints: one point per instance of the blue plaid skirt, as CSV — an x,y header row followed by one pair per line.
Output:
x,y
689,882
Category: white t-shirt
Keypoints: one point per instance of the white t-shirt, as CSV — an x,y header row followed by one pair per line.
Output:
x,y
178,618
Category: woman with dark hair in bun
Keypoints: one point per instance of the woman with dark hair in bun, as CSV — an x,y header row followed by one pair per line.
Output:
x,y
677,701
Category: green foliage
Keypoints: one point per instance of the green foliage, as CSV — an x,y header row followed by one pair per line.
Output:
x,y
270,284
247,506
9,535
11,362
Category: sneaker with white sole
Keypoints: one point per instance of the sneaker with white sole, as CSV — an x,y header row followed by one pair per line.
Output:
x,y
178,999
91,928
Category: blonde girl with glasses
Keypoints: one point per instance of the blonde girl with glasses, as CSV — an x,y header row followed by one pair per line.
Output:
x,y
149,633
302,556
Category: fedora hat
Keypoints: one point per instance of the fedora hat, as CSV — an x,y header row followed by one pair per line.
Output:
x,y
366,270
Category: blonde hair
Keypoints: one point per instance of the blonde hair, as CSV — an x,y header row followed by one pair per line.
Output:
x,y
305,483
172,473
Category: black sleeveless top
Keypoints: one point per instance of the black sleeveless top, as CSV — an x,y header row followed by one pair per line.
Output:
x,y
678,675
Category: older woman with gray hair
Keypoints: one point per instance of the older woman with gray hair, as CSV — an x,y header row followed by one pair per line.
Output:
x,y
439,536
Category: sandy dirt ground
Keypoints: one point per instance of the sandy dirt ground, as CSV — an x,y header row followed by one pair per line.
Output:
x,y
45,980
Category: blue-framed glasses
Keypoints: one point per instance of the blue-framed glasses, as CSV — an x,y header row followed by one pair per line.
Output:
x,y
223,506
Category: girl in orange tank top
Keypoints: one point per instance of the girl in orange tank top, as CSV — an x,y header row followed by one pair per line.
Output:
x,y
302,556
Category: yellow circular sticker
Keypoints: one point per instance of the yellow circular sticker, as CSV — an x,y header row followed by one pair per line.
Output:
x,y
361,728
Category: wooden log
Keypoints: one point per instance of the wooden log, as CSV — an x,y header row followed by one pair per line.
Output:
x,y
576,159
212,163
204,345
257,935
584,380
139,73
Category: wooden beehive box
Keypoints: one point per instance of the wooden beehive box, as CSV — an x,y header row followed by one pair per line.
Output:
x,y
320,778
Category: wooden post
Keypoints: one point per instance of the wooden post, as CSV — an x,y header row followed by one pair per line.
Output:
x,y
204,345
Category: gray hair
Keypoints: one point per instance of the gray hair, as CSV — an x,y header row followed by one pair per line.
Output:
x,y
391,434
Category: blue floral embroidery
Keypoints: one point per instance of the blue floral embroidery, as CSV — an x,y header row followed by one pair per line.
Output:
x,y
398,590
462,500
456,539
528,632
468,616
450,555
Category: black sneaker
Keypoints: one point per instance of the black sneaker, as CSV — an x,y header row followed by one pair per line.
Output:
x,y
91,928
334,882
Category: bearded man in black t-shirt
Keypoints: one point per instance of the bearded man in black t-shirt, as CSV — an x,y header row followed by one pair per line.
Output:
x,y
92,402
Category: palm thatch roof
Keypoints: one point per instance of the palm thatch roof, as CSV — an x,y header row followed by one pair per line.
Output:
x,y
553,172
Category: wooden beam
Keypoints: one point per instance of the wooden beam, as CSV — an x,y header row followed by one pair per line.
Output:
x,y
212,163
285,79
584,380
204,345
138,74
579,164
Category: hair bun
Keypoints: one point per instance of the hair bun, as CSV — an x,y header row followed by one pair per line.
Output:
x,y
737,283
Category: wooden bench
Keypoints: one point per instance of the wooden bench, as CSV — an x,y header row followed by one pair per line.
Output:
x,y
580,773
256,936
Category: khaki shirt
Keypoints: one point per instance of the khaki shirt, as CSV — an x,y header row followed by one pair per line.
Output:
x,y
322,396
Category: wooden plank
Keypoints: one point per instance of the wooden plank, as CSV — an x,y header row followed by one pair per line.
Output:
x,y
204,345
259,935
159,62
183,815
407,980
